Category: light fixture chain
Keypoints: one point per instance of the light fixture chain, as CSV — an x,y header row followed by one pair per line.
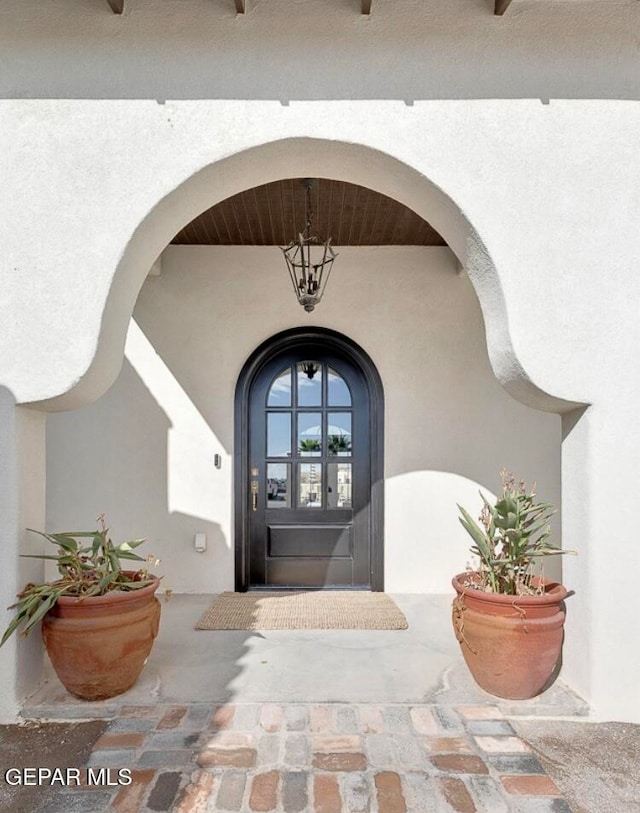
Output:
x,y
309,212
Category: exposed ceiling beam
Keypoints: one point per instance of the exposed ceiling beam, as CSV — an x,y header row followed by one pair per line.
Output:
x,y
501,6
117,6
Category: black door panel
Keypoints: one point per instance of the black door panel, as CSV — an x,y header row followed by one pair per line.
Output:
x,y
310,540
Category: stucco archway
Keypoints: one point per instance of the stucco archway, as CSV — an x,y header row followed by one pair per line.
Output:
x,y
358,164
285,158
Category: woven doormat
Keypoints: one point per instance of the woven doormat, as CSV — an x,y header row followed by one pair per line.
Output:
x,y
303,610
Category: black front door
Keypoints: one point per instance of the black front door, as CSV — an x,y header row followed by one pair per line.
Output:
x,y
308,470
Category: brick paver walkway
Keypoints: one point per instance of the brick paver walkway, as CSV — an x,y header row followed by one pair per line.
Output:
x,y
332,758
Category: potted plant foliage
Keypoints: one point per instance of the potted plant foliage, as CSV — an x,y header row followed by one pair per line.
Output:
x,y
508,620
98,620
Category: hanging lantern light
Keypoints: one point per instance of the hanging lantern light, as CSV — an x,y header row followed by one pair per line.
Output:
x,y
309,260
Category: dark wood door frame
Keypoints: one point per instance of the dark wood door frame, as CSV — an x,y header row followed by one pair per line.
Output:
x,y
290,340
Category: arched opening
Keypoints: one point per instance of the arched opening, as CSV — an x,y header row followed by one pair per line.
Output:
x,y
413,312
286,158
425,328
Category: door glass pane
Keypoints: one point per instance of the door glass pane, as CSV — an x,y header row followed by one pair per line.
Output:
x,y
309,383
279,434
339,485
338,391
280,390
339,434
278,485
310,485
309,434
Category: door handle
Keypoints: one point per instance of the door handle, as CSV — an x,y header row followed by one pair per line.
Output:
x,y
254,495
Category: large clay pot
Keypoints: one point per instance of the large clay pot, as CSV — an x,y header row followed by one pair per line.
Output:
x,y
511,644
99,644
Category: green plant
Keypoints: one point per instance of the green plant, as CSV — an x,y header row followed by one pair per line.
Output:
x,y
511,536
85,570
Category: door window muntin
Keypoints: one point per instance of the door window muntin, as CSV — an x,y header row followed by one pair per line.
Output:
x,y
321,429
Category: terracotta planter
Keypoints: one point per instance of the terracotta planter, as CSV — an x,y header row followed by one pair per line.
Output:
x,y
512,644
99,644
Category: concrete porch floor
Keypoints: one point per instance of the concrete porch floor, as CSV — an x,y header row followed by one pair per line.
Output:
x,y
422,664
321,721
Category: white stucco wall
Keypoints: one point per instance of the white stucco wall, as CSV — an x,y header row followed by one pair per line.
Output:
x,y
516,137
22,506
144,452
522,125
296,49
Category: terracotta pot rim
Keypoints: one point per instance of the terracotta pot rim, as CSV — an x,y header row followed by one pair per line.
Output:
x,y
113,596
554,593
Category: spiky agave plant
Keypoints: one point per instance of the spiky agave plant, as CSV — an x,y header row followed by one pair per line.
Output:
x,y
92,569
511,536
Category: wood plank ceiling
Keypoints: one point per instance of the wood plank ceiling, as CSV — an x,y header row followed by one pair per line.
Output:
x,y
273,214
118,6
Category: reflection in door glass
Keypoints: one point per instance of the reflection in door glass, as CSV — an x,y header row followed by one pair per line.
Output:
x,y
310,485
280,390
278,488
338,391
339,434
339,485
279,434
309,434
309,383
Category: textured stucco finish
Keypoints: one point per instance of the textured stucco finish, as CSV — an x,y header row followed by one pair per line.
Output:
x,y
294,49
449,426
515,136
535,255
22,505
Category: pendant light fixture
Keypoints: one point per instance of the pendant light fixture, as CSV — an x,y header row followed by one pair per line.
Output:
x,y
309,260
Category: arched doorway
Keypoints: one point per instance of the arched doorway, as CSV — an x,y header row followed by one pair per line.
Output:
x,y
309,465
